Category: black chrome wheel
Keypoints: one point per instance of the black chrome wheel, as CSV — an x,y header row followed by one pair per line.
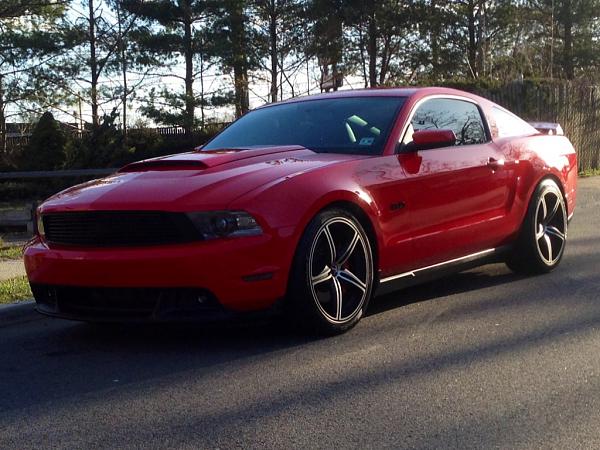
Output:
x,y
339,269
551,226
543,236
333,274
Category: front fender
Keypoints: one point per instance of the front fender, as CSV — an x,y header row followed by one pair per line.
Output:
x,y
289,204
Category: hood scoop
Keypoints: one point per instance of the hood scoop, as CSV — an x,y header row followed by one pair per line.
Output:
x,y
164,164
203,159
218,157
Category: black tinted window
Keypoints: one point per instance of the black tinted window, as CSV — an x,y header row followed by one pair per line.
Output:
x,y
462,117
344,125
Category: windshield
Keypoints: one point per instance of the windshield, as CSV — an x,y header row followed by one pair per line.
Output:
x,y
340,125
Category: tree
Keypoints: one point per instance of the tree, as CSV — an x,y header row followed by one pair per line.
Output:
x,y
574,47
326,41
440,49
174,30
23,51
381,30
233,45
97,41
281,32
46,147
468,38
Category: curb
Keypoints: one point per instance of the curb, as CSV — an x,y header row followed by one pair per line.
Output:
x,y
18,312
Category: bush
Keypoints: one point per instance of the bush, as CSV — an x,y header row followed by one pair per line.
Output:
x,y
46,148
104,146
144,143
36,189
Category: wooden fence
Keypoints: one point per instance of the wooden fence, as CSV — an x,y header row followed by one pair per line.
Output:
x,y
167,133
23,218
573,105
39,174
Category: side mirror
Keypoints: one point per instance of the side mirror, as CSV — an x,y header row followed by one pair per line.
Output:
x,y
428,139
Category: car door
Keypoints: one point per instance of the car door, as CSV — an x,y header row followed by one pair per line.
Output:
x,y
456,196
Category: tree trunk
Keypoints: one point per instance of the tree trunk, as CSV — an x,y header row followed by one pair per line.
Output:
x,y
472,50
434,37
273,44
188,122
334,74
240,69
386,55
324,75
372,50
363,59
93,64
202,106
481,38
123,69
567,18
2,119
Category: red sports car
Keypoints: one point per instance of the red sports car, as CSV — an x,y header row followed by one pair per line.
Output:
x,y
310,206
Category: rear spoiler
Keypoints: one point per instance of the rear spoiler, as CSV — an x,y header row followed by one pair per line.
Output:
x,y
550,128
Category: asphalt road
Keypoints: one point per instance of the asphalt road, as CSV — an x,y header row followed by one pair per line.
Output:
x,y
483,359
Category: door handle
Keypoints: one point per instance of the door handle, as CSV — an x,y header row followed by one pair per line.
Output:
x,y
494,163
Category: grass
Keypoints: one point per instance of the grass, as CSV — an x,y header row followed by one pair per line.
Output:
x,y
8,206
14,252
14,290
589,173
10,251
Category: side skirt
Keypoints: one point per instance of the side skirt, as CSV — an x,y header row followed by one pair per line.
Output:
x,y
423,274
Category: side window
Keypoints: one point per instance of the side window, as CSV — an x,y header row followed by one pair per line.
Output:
x,y
460,116
510,125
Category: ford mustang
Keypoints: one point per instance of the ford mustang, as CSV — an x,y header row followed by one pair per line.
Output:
x,y
309,207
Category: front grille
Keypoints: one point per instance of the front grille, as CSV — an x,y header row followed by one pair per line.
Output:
x,y
126,303
118,228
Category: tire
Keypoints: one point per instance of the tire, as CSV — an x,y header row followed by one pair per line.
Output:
x,y
332,275
541,242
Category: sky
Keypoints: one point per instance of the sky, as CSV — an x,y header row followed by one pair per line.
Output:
x,y
306,80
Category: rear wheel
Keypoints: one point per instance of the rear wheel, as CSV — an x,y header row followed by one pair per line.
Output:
x,y
541,242
332,277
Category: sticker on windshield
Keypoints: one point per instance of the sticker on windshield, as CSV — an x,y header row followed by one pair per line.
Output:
x,y
367,141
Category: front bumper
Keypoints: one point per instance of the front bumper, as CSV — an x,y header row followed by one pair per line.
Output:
x,y
133,305
239,274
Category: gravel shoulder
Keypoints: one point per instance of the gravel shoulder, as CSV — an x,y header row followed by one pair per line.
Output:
x,y
11,269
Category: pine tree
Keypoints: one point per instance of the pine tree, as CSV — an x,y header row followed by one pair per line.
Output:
x,y
382,32
233,45
175,31
23,51
281,36
46,147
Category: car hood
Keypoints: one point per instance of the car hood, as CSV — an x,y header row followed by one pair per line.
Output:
x,y
191,181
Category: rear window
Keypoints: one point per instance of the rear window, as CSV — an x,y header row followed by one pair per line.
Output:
x,y
509,125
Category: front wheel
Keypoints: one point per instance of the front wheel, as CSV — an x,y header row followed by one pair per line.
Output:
x,y
332,276
541,242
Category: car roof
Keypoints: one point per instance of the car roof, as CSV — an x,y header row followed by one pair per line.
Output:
x,y
383,92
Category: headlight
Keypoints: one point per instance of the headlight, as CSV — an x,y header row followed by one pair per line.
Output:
x,y
215,224
39,224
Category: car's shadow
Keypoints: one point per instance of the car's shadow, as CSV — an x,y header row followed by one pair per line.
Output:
x,y
59,361
224,334
472,280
